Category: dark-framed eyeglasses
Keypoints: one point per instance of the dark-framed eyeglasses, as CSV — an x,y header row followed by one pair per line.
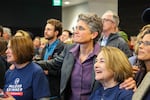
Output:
x,y
107,20
78,28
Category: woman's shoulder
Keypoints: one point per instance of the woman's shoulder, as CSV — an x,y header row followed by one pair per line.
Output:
x,y
124,94
34,66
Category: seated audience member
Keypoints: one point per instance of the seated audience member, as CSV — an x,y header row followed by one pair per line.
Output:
x,y
132,43
6,33
36,44
110,71
66,37
43,42
27,80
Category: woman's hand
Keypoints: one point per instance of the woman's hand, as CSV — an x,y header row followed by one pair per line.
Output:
x,y
129,83
135,69
8,97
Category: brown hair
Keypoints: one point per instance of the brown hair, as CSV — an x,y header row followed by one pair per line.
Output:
x,y
22,48
57,24
3,46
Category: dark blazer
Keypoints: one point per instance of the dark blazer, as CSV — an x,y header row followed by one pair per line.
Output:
x,y
65,61
54,75
59,48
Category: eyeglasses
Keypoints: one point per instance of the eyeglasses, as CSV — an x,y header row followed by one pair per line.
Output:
x,y
80,28
145,43
107,20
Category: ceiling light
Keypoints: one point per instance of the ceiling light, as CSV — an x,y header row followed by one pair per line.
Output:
x,y
66,2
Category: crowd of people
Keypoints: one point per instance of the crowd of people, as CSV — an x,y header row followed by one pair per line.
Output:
x,y
92,62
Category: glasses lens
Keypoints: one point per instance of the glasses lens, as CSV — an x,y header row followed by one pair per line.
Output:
x,y
145,43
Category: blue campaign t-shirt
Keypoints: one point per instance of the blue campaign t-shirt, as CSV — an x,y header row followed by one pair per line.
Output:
x,y
28,83
113,93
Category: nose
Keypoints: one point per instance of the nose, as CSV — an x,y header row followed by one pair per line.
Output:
x,y
45,31
96,65
75,31
6,51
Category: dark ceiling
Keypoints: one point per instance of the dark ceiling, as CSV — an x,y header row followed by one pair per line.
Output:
x,y
28,14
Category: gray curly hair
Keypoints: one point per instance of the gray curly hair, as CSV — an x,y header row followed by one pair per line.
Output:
x,y
94,22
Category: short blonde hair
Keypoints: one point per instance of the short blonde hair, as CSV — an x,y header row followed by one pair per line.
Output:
x,y
118,62
43,40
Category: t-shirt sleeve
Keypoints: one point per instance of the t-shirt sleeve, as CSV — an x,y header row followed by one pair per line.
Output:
x,y
40,85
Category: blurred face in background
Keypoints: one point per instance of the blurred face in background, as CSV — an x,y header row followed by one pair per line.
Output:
x,y
37,42
64,36
6,36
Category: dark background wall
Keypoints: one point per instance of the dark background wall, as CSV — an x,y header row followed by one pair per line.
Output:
x,y
130,12
29,15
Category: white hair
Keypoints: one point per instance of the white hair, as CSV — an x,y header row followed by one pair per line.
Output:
x,y
7,30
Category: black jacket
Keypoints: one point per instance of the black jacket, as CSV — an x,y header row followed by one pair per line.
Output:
x,y
54,75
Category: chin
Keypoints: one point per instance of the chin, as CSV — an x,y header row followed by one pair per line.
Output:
x,y
141,57
98,78
9,61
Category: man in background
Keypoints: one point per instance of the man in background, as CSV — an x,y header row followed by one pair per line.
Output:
x,y
110,36
53,30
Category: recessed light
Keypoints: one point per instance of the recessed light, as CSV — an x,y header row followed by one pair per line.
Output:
x,y
66,2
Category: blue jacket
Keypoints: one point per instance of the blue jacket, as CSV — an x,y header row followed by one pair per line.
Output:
x,y
113,93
